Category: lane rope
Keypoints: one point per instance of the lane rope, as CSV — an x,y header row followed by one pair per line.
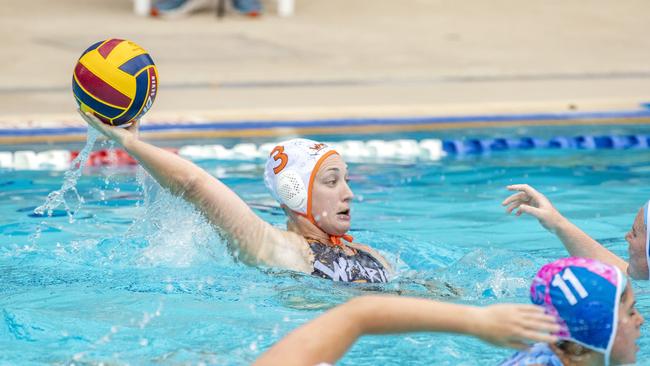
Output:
x,y
352,150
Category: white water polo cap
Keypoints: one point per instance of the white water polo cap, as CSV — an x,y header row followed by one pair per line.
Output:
x,y
290,172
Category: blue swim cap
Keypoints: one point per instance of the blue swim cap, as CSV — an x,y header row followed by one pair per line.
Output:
x,y
584,294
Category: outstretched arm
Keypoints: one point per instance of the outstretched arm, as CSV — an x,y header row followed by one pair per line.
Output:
x,y
255,240
577,242
327,338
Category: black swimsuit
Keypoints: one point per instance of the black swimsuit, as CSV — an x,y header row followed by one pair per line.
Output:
x,y
332,263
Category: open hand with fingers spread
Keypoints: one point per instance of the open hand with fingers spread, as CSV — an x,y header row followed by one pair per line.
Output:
x,y
515,325
530,201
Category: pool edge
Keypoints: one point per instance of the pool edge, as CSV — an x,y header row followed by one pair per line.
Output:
x,y
216,124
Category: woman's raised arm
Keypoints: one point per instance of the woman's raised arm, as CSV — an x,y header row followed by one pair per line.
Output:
x,y
528,200
252,239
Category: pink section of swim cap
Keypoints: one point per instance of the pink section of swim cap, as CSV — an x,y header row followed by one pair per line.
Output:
x,y
543,282
608,272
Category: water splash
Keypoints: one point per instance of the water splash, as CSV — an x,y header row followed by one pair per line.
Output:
x,y
67,195
164,231
491,274
178,235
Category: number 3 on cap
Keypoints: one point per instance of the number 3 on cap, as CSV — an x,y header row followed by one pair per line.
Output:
x,y
279,156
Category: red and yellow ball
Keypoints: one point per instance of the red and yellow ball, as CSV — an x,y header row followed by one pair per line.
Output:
x,y
116,80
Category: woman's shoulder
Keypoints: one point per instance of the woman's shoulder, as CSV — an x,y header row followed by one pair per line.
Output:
x,y
373,253
363,247
285,249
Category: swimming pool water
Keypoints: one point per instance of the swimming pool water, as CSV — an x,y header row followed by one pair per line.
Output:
x,y
138,277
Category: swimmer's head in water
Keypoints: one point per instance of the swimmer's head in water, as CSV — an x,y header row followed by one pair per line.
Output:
x,y
638,240
584,295
646,250
310,178
647,237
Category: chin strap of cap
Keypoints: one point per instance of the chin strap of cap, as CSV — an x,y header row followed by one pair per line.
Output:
x,y
336,240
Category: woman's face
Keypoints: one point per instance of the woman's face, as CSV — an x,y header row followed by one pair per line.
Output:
x,y
638,267
628,331
331,196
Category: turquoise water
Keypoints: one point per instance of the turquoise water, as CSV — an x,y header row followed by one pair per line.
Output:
x,y
137,277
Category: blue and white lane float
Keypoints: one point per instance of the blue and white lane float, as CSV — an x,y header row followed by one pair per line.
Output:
x,y
352,150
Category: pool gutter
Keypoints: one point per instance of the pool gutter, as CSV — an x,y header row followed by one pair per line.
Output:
x,y
67,128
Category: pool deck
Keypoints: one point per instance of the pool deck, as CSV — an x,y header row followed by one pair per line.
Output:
x,y
378,64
